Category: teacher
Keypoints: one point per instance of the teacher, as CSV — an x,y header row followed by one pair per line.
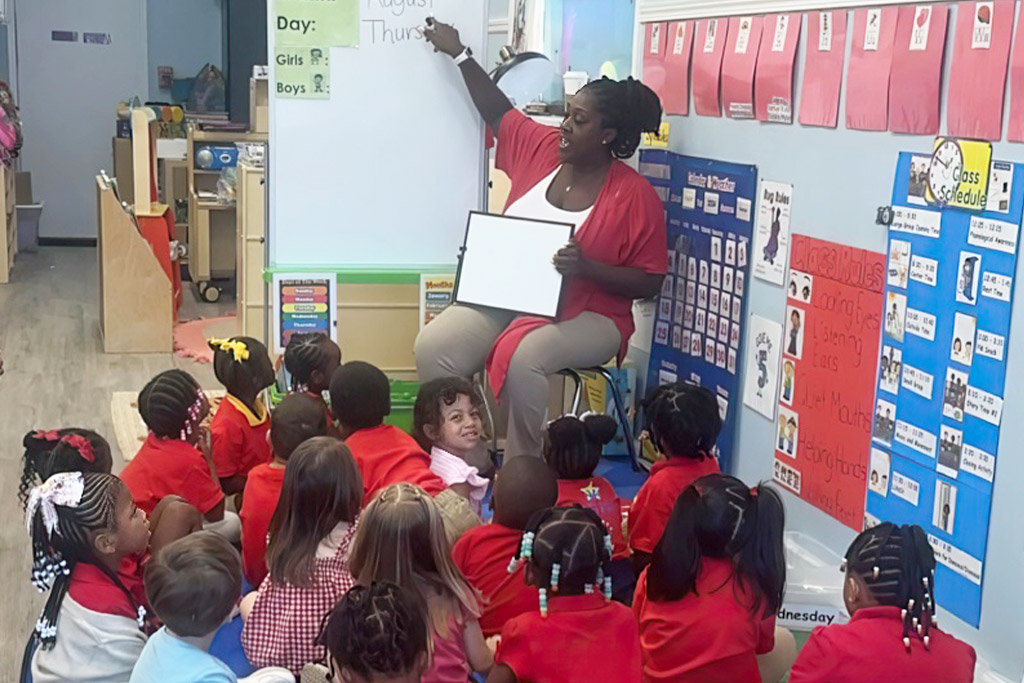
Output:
x,y
572,174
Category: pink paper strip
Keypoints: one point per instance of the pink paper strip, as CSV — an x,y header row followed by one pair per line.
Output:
x,y
676,98
1016,125
977,77
708,48
823,68
867,77
773,85
917,69
654,58
738,66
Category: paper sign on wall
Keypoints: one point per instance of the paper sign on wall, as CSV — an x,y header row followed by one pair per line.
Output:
x,y
823,69
867,76
771,243
958,173
436,292
303,303
334,23
760,386
917,69
977,74
302,72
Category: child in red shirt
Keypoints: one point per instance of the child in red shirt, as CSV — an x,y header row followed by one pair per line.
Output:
x,y
683,423
361,399
523,487
298,418
579,634
88,541
170,462
239,429
706,604
311,360
892,635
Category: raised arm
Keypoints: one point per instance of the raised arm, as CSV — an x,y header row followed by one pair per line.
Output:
x,y
488,98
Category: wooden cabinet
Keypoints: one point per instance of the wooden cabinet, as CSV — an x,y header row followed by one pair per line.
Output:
x,y
9,229
250,249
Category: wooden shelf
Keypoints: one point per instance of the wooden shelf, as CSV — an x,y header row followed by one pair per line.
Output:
x,y
217,136
214,206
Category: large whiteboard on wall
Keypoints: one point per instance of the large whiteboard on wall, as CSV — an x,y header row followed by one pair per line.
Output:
x,y
385,172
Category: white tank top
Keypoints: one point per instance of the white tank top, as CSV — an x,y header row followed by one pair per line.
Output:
x,y
534,204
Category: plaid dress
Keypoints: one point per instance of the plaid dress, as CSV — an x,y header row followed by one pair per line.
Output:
x,y
286,619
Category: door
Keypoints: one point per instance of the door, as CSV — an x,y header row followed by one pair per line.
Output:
x,y
76,60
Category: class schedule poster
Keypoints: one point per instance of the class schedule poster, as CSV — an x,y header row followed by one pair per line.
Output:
x,y
829,351
304,303
942,374
698,332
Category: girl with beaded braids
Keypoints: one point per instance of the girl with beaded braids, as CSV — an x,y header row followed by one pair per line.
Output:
x,y
311,360
682,422
706,604
175,459
892,634
48,452
579,634
238,431
571,174
88,546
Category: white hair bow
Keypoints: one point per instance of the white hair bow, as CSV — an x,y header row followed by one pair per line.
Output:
x,y
64,488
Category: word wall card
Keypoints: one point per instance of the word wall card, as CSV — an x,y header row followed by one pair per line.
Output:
x,y
699,328
942,374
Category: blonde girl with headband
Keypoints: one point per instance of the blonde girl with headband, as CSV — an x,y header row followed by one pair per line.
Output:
x,y
238,432
401,538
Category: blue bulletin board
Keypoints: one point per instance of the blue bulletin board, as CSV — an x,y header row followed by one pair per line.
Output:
x,y
942,373
698,332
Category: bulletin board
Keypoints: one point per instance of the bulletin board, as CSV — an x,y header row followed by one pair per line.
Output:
x,y
698,332
942,373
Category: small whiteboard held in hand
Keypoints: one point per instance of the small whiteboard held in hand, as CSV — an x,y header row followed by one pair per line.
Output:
x,y
506,263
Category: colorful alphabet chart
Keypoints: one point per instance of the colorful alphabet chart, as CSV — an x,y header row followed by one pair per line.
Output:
x,y
699,327
829,351
304,303
942,373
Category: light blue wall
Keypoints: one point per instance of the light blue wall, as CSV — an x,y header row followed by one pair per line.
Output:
x,y
840,177
186,35
5,65
497,9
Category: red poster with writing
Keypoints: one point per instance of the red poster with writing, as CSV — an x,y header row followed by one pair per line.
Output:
x,y
867,76
823,68
773,84
676,96
917,69
977,76
654,58
830,352
708,48
1016,124
738,66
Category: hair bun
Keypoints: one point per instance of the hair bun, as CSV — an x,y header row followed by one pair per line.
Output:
x,y
644,104
599,428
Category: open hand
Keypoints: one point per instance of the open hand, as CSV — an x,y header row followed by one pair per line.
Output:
x,y
443,37
569,260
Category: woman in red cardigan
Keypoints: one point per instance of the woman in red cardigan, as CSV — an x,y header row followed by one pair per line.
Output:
x,y
572,174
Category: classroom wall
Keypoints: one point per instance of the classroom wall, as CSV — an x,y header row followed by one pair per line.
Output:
x,y
840,177
184,34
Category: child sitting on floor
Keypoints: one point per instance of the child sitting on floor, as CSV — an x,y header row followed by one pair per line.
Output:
x,y
378,633
523,487
892,635
683,423
176,458
361,399
298,418
579,634
311,360
88,546
446,416
239,429
193,585
402,539
706,604
310,536
62,450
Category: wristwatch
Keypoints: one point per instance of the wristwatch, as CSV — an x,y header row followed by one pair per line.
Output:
x,y
463,56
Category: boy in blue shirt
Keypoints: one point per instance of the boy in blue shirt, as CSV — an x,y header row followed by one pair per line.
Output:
x,y
193,585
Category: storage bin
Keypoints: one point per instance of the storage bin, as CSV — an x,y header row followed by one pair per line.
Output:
x,y
28,226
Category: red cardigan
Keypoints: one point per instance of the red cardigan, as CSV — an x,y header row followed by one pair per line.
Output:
x,y
625,228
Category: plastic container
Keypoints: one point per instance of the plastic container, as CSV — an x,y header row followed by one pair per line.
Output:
x,y
814,585
403,398
28,226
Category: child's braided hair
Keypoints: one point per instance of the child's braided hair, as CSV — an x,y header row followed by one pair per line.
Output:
x,y
63,450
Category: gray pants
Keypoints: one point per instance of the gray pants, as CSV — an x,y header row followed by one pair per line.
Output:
x,y
457,343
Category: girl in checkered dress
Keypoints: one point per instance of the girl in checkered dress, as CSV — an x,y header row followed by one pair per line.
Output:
x,y
307,556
